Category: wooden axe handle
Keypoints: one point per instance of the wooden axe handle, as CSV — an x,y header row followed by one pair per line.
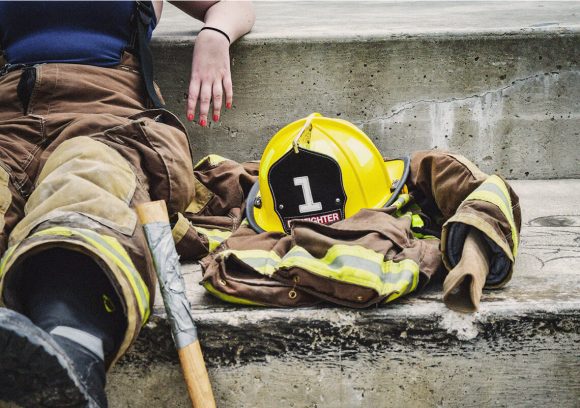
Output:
x,y
190,356
196,378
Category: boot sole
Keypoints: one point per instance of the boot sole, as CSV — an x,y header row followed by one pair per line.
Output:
x,y
34,370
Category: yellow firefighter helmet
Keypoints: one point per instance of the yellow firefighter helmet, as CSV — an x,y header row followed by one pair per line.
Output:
x,y
323,170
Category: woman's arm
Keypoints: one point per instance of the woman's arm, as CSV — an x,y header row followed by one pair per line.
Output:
x,y
210,69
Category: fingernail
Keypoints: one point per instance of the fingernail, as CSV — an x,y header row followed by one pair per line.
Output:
x,y
216,117
202,123
228,105
190,117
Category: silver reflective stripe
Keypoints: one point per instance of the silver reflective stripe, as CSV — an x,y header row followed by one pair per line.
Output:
x,y
492,188
386,276
364,265
87,340
259,262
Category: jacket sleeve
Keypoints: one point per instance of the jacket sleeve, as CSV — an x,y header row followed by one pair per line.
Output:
x,y
462,197
221,188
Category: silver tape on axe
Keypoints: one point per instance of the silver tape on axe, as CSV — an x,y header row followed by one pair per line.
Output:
x,y
177,306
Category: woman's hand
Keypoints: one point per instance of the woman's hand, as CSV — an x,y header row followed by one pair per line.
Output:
x,y
211,79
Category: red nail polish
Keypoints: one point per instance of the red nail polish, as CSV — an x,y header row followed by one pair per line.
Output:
x,y
216,118
228,105
202,123
190,117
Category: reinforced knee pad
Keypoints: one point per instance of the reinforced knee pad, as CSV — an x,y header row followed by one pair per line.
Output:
x,y
82,176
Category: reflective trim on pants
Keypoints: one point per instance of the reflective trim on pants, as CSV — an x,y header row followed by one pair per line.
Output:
x,y
106,246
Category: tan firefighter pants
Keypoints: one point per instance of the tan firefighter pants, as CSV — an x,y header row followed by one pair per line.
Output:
x,y
78,150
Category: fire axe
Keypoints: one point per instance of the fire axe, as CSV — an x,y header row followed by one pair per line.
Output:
x,y
153,217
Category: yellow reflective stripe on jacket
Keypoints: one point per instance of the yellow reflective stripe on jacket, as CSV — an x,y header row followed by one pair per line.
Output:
x,y
263,262
213,159
357,265
214,236
344,263
417,221
423,236
229,298
401,201
494,191
110,247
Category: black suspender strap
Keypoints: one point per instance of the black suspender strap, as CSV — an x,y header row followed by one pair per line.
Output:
x,y
145,15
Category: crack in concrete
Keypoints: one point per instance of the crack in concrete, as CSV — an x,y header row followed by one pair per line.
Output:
x,y
410,105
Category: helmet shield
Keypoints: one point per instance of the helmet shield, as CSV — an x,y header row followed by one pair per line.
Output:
x,y
323,170
307,186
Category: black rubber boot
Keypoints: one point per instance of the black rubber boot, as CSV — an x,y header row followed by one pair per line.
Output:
x,y
75,323
35,371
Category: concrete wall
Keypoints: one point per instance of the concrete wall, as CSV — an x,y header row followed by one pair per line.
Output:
x,y
511,103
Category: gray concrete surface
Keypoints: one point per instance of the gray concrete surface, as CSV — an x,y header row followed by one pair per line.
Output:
x,y
498,82
299,21
521,349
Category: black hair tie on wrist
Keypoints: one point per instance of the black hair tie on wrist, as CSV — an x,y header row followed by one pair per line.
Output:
x,y
217,30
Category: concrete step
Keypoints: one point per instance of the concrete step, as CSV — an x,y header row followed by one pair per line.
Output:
x,y
522,348
496,81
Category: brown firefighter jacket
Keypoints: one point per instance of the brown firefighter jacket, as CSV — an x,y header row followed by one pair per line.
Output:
x,y
375,256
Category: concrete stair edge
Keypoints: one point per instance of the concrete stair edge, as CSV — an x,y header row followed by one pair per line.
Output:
x,y
542,299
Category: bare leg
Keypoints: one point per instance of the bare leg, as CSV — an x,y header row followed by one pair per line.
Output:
x,y
463,286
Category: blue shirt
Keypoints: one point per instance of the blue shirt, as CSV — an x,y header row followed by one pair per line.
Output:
x,y
77,32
